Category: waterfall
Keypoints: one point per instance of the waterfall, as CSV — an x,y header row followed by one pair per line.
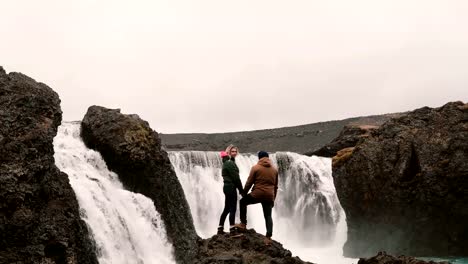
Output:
x,y
307,199
307,215
125,226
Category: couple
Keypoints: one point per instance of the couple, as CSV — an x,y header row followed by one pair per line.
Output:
x,y
264,178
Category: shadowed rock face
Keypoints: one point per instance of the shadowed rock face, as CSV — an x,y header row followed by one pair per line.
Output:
x,y
384,258
39,213
405,188
133,150
249,248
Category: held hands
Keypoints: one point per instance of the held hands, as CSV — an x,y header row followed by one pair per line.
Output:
x,y
242,193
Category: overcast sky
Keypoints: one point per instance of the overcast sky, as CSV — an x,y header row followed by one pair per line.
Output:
x,y
215,66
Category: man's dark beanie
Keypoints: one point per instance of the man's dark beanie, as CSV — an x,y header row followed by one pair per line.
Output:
x,y
262,154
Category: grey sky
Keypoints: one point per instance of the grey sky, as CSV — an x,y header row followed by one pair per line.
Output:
x,y
213,66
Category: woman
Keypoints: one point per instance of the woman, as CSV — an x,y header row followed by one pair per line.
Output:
x,y
231,179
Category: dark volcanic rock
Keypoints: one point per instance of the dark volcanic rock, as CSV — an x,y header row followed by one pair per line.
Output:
x,y
384,258
39,214
250,248
133,150
405,188
348,137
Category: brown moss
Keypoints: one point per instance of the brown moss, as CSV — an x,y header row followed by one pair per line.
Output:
x,y
342,156
367,127
463,107
137,135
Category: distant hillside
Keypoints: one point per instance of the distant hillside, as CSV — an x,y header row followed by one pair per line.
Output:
x,y
300,139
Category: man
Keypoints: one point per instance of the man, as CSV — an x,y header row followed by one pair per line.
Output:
x,y
231,179
264,178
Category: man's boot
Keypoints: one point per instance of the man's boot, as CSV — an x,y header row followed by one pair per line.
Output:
x,y
241,227
234,231
221,230
267,241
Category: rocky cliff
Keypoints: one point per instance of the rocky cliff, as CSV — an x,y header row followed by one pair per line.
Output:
x,y
39,213
405,187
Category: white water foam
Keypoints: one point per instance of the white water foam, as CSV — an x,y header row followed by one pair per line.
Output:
x,y
307,216
126,227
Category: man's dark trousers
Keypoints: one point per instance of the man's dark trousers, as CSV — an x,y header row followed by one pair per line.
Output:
x,y
267,208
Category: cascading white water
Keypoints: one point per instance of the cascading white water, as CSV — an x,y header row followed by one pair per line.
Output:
x,y
308,218
126,227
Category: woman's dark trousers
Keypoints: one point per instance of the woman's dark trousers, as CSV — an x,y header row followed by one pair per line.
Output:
x,y
230,207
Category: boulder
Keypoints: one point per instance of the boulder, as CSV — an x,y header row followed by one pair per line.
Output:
x,y
133,150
